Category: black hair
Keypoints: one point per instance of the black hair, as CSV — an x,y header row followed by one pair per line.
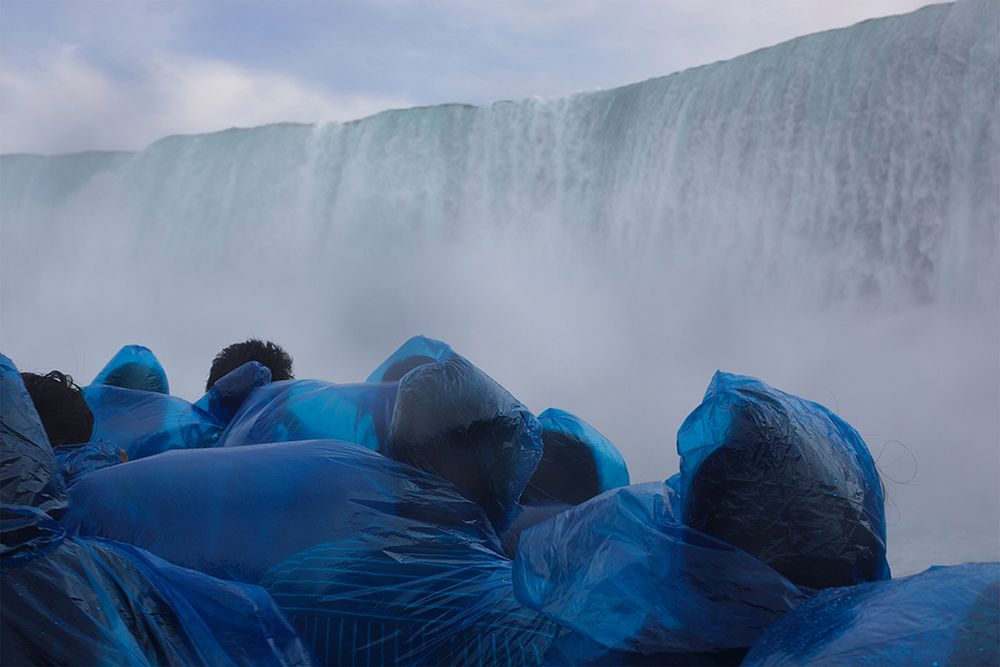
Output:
x,y
65,415
265,352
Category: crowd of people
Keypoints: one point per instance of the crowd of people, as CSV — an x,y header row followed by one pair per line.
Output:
x,y
426,516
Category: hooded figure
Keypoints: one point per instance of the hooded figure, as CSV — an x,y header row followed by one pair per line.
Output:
x,y
90,601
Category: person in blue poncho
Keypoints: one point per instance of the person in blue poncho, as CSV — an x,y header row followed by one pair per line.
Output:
x,y
786,480
267,353
71,599
135,375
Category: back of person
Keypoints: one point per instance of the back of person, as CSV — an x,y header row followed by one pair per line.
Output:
x,y
97,602
69,600
267,353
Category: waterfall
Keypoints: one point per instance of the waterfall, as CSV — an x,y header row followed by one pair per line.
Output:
x,y
824,213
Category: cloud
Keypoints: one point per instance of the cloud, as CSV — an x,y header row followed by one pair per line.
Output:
x,y
591,43
67,103
121,75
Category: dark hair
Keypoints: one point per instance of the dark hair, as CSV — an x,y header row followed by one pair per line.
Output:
x,y
237,354
60,404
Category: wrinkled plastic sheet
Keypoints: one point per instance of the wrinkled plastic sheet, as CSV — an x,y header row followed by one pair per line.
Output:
x,y
415,352
454,421
144,423
622,570
530,515
944,616
229,392
98,602
373,561
29,474
784,479
424,406
310,410
235,512
75,461
577,462
85,601
420,597
134,367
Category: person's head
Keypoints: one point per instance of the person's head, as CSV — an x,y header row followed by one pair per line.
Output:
x,y
567,471
60,405
265,352
134,375
796,502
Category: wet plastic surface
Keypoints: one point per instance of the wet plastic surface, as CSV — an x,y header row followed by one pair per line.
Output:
x,y
784,479
454,421
134,367
29,475
947,617
382,561
87,601
144,423
235,512
90,602
409,594
75,461
577,462
227,395
415,352
373,561
530,515
622,570
311,409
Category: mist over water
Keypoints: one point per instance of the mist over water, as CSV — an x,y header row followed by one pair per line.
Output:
x,y
822,215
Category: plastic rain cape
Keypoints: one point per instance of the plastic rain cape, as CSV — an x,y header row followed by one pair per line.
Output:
x,y
944,616
372,559
91,601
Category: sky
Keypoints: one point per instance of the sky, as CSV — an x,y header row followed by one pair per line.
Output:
x,y
100,75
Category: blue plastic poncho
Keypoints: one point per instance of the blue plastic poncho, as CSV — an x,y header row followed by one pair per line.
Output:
x,y
84,601
577,462
409,593
454,421
75,461
134,367
235,512
425,406
99,602
784,479
229,392
29,476
415,352
144,423
949,617
374,562
311,410
530,515
622,570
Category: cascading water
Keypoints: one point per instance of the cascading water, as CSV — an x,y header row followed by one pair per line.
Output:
x,y
823,213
